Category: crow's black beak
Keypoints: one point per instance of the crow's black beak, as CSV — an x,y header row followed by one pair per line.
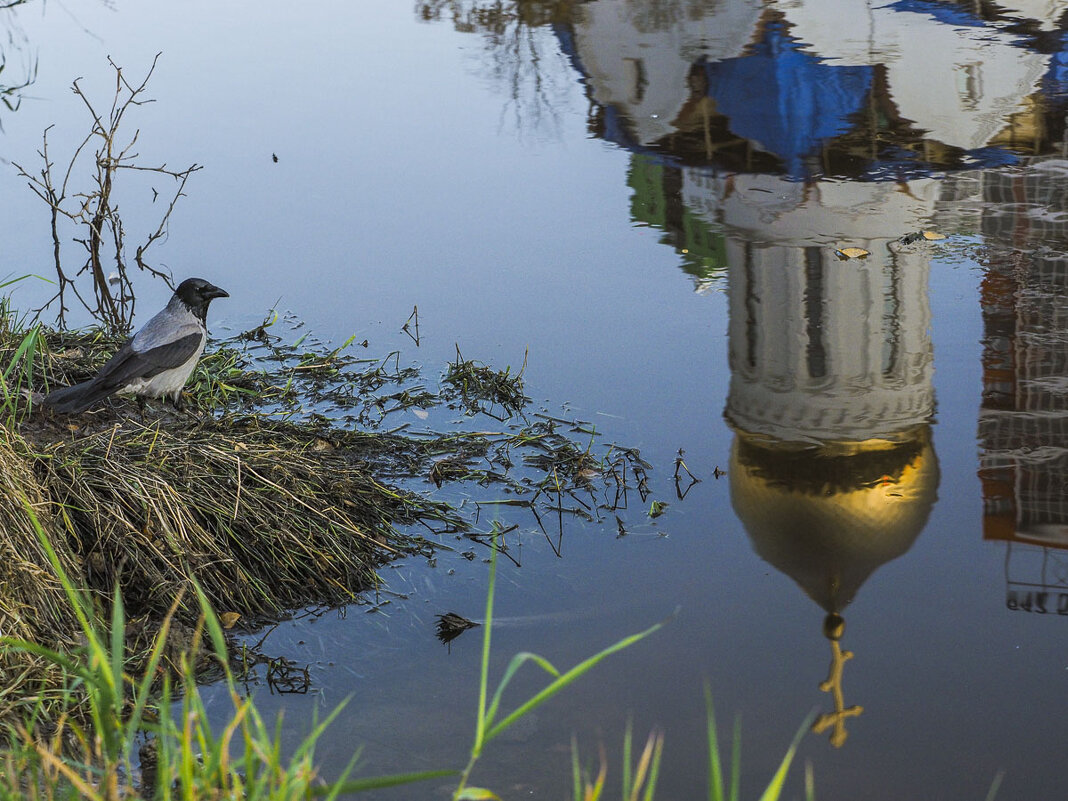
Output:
x,y
211,291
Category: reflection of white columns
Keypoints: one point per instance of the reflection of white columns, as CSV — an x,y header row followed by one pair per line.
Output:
x,y
823,349
637,57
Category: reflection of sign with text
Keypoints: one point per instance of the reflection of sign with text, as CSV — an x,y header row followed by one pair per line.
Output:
x,y
1036,579
1043,603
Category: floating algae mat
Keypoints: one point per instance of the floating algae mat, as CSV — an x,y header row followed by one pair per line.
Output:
x,y
282,488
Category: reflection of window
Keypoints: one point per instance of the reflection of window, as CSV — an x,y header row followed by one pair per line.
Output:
x,y
635,72
970,85
752,305
891,320
817,351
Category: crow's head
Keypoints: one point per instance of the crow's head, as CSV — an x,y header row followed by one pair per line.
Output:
x,y
196,294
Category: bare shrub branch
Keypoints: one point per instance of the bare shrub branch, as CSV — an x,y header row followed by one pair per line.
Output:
x,y
95,211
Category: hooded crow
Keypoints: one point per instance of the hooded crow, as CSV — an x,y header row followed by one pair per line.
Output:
x,y
157,361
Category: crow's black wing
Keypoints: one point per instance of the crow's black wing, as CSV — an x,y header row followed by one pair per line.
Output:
x,y
125,366
130,365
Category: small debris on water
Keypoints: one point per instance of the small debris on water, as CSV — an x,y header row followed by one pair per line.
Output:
x,y
451,625
846,254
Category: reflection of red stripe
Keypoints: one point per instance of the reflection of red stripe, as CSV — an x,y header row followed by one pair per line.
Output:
x,y
998,526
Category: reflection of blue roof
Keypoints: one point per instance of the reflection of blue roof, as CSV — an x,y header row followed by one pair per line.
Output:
x,y
949,13
789,102
785,99
1055,81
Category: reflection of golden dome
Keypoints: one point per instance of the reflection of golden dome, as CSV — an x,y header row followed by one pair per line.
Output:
x,y
829,515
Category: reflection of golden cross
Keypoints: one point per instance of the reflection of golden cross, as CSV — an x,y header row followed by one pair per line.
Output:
x,y
833,685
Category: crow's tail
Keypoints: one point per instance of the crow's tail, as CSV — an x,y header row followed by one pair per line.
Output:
x,y
78,398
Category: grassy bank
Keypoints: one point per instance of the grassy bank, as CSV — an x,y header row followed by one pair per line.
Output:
x,y
289,481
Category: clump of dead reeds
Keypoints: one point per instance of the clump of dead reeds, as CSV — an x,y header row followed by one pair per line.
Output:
x,y
265,515
479,389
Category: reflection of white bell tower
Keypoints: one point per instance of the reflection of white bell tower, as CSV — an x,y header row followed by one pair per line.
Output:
x,y
823,349
832,471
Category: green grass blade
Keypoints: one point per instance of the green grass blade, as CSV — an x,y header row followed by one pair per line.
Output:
x,y
776,784
27,347
215,632
15,644
487,629
79,603
715,768
144,690
305,748
995,785
337,787
477,794
517,662
576,771
567,678
118,641
378,782
736,759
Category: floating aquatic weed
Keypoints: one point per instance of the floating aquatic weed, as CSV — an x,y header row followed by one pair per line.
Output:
x,y
479,389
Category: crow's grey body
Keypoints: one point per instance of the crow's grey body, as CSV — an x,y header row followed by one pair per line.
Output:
x,y
157,361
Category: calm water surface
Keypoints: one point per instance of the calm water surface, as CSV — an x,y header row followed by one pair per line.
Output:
x,y
647,199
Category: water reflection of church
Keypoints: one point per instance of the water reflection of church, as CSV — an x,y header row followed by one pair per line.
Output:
x,y
737,114
767,133
832,470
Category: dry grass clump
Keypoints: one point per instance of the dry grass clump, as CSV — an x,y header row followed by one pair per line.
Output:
x,y
32,603
31,597
265,516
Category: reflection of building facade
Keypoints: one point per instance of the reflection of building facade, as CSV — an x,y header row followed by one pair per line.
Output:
x,y
1023,422
810,87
